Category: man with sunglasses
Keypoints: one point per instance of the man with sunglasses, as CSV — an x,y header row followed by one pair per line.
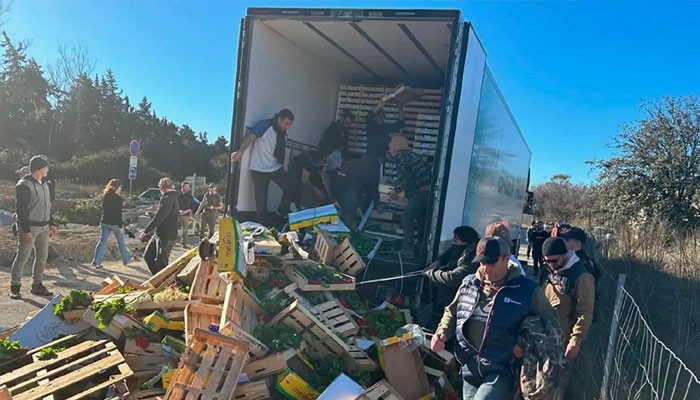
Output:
x,y
486,316
570,289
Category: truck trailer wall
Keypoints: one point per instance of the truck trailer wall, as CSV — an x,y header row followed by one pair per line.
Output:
x,y
282,75
461,150
499,164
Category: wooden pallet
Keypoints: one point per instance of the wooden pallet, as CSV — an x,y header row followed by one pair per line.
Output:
x,y
321,340
92,365
209,369
325,247
252,391
381,390
208,286
200,316
403,94
303,282
240,308
347,259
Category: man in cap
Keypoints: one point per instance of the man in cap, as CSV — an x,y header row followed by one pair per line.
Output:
x,y
413,180
35,227
161,232
575,239
570,288
485,317
209,209
501,230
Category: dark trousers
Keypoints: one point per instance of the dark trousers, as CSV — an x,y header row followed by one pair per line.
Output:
x,y
157,253
412,215
208,223
349,202
537,260
261,181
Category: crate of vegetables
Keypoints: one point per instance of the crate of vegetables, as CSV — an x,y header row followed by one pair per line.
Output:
x,y
311,276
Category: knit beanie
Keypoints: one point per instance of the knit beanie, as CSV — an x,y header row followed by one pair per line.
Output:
x,y
554,246
37,163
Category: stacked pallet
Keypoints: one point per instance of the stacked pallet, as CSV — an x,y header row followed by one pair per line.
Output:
x,y
421,116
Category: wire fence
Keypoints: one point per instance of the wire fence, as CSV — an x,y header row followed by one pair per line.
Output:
x,y
624,359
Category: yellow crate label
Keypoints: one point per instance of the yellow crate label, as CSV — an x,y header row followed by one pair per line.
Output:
x,y
167,377
294,387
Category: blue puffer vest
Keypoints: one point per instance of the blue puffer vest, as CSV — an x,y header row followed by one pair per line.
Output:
x,y
510,307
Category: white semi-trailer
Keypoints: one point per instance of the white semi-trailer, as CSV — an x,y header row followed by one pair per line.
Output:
x,y
317,62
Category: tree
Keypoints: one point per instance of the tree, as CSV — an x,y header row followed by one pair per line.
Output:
x,y
655,174
72,63
561,200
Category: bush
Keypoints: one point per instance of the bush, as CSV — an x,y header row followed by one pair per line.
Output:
x,y
87,212
100,167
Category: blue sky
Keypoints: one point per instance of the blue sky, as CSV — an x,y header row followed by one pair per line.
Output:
x,y
572,72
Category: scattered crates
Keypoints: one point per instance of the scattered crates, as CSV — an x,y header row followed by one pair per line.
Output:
x,y
70,374
240,308
334,316
252,391
325,247
307,285
209,369
200,316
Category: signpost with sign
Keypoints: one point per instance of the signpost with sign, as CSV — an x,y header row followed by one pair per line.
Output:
x,y
134,148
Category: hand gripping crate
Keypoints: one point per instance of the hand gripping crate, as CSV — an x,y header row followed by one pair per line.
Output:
x,y
208,286
209,369
347,259
380,391
321,339
78,372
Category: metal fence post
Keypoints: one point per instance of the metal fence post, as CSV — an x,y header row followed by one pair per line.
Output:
x,y
611,338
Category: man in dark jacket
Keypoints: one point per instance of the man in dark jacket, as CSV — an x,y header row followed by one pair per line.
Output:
x,y
575,239
209,209
186,203
539,235
306,187
360,186
485,317
379,131
334,143
413,181
35,227
530,230
454,265
161,232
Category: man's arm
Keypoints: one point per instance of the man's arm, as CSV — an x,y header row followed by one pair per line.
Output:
x,y
585,302
541,306
22,197
448,323
237,156
452,278
396,126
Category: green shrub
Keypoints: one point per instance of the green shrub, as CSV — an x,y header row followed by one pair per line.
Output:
x,y
86,211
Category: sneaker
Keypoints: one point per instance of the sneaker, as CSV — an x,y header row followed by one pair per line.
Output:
x,y
39,290
126,264
97,266
14,292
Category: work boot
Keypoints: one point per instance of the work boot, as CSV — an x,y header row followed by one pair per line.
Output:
x,y
38,289
14,292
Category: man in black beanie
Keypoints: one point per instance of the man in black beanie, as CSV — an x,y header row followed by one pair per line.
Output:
x,y
35,226
570,289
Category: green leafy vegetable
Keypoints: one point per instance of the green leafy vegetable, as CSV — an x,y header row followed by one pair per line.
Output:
x,y
278,338
8,349
48,353
74,300
321,274
105,311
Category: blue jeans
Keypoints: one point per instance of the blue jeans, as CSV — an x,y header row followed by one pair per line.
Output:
x,y
493,387
102,244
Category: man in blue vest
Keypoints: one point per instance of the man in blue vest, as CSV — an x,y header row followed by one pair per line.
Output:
x,y
485,317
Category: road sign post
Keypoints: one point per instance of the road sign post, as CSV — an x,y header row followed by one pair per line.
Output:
x,y
134,149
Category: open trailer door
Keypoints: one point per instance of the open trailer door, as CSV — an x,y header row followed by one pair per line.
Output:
x,y
238,112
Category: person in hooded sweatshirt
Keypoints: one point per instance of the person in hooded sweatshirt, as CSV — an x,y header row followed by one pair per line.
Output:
x,y
570,288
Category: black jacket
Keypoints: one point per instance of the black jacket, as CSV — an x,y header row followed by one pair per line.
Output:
x,y
112,209
165,223
453,277
186,201
335,138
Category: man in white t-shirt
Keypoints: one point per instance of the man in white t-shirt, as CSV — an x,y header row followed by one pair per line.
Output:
x,y
266,158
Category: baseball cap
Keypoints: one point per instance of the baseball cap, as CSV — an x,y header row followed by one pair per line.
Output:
x,y
574,233
212,185
490,248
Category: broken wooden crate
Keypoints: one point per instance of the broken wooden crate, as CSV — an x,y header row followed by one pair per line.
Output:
x,y
322,341
115,284
325,247
347,259
267,366
209,369
115,328
330,312
381,390
304,283
257,390
78,372
200,316
257,348
208,286
240,308
359,358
